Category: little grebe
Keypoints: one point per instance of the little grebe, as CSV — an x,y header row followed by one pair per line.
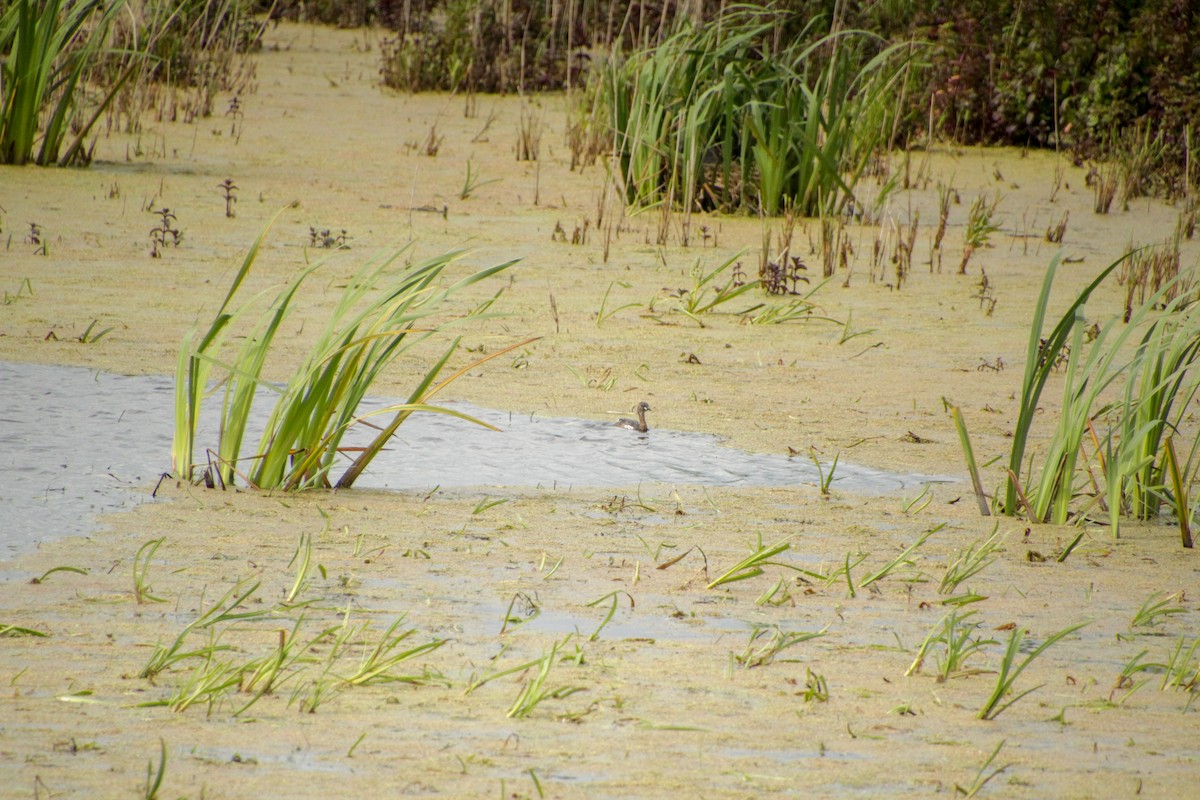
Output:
x,y
638,424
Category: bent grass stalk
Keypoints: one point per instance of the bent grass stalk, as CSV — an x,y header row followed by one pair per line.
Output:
x,y
920,502
983,776
799,309
42,578
141,565
474,683
604,313
846,572
16,631
614,597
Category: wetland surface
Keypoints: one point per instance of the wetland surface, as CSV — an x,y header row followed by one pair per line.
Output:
x,y
688,691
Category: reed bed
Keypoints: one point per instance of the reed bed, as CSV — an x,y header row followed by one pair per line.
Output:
x,y
1126,385
728,116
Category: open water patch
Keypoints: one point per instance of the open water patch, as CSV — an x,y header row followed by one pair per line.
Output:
x,y
77,442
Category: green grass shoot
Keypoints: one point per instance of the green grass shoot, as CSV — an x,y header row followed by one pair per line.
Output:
x,y
977,557
535,690
904,559
752,565
154,777
768,641
16,631
1010,670
613,599
1156,610
984,775
142,591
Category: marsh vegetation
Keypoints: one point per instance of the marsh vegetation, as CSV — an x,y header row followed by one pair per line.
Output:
x,y
738,213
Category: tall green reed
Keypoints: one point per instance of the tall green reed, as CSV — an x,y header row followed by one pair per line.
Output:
x,y
383,314
1154,403
1040,361
48,49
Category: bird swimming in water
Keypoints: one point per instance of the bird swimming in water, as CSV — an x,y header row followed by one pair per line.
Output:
x,y
638,424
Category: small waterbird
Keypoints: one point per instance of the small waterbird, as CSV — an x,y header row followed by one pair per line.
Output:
x,y
638,424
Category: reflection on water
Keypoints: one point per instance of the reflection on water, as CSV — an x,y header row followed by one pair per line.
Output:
x,y
75,442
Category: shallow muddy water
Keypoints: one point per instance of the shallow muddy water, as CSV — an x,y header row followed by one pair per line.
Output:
x,y
77,442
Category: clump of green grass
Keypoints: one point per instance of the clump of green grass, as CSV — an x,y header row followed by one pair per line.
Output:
x,y
972,560
955,639
225,609
709,293
1156,609
535,690
321,664
383,313
752,565
1010,670
768,641
1181,670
